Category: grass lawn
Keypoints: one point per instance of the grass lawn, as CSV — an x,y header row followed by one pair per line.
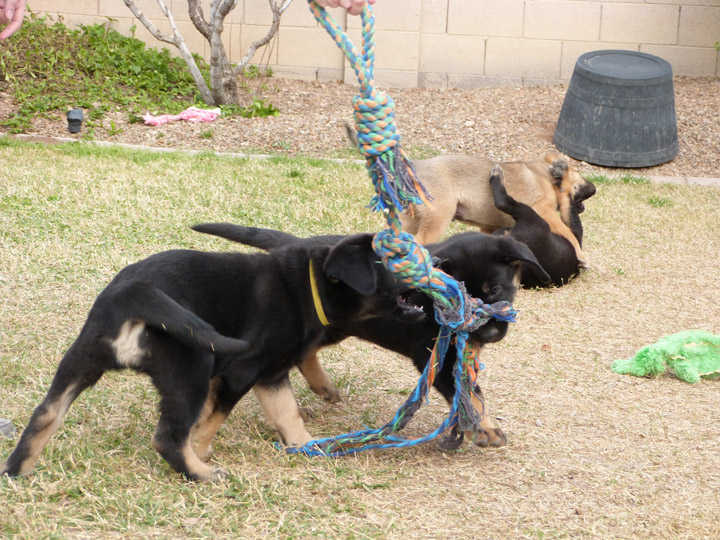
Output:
x,y
591,454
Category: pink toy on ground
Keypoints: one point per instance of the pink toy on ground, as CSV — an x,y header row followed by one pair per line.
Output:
x,y
192,114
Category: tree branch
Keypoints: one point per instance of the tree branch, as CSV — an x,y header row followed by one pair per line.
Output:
x,y
177,40
147,23
277,9
198,18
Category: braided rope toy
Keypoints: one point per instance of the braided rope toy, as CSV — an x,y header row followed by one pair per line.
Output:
x,y
397,186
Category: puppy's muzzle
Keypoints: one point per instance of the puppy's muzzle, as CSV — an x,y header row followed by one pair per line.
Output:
x,y
408,308
491,332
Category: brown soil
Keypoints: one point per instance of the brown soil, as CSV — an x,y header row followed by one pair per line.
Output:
x,y
510,123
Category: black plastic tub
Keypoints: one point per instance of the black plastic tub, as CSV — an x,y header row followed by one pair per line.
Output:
x,y
619,110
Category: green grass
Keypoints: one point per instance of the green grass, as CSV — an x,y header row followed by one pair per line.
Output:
x,y
627,179
72,215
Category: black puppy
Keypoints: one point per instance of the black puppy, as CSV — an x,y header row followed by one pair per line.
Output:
x,y
553,252
488,265
207,327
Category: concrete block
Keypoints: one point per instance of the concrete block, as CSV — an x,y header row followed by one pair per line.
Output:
x,y
115,8
89,7
571,50
556,19
535,58
701,181
621,23
432,80
386,79
180,11
433,18
394,51
689,61
330,74
531,81
195,41
481,81
486,17
699,26
680,2
297,14
258,12
244,35
307,47
295,72
442,53
401,15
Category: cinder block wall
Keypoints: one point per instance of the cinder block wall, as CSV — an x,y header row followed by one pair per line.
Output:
x,y
444,43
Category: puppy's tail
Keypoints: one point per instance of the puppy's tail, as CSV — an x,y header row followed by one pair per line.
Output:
x,y
250,236
144,303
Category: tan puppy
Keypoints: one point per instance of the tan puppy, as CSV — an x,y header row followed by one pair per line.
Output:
x,y
461,191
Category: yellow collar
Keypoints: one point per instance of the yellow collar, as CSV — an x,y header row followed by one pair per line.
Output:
x,y
316,297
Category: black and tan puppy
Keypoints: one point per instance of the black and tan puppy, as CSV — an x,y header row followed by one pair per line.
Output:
x,y
553,251
488,265
206,328
460,191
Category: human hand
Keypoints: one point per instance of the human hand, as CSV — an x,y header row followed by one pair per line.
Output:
x,y
12,12
353,7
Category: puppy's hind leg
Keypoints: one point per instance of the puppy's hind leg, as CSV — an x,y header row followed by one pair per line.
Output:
x,y
220,402
77,371
529,227
433,225
182,377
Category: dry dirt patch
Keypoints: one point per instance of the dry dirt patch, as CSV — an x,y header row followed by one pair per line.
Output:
x,y
510,123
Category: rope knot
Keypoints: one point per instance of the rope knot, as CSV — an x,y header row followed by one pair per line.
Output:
x,y
375,123
396,187
409,262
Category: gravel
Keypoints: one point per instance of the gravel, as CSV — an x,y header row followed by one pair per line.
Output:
x,y
507,123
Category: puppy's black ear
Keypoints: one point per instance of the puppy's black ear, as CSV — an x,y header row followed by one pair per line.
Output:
x,y
517,251
443,264
354,262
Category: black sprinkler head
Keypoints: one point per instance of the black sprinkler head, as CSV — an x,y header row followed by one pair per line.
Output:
x,y
75,119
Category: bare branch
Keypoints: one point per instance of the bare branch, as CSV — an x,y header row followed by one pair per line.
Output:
x,y
226,7
277,9
177,40
198,18
147,23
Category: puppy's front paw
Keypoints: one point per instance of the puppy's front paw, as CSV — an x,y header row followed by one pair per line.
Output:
x,y
583,259
328,392
218,473
451,441
306,414
494,438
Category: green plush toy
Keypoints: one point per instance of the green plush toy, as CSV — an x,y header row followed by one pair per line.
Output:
x,y
691,355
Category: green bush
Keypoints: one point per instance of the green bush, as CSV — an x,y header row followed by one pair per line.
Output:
x,y
48,67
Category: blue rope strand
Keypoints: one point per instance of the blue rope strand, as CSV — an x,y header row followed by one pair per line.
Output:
x,y
397,186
